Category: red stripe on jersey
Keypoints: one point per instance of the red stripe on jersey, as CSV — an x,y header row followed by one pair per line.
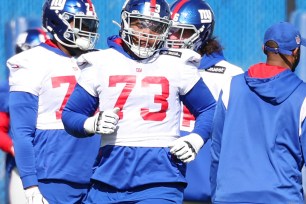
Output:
x,y
153,5
178,7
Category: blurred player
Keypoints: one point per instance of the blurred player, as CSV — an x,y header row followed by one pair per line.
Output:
x,y
259,137
25,40
54,166
193,26
29,39
147,85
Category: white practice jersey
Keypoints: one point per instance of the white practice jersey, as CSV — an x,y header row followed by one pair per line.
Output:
x,y
214,77
147,92
49,77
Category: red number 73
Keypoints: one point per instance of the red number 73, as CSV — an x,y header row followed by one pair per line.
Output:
x,y
130,81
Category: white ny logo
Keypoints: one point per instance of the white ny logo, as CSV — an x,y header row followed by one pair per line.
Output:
x,y
206,16
57,4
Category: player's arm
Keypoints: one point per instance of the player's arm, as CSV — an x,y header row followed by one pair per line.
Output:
x,y
201,103
79,119
79,107
23,115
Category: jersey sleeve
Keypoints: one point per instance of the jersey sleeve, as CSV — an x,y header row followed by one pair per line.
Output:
x,y
189,74
201,103
79,107
23,112
24,76
88,77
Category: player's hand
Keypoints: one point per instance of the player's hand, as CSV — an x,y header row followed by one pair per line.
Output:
x,y
104,122
34,196
186,148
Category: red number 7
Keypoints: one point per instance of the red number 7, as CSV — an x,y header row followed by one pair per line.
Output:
x,y
56,82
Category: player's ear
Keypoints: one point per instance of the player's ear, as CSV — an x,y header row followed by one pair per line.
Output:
x,y
296,51
263,49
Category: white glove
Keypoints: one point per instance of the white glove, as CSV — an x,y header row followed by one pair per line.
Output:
x,y
104,122
34,196
186,148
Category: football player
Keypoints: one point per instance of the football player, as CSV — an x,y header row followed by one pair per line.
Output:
x,y
54,166
143,85
25,40
193,26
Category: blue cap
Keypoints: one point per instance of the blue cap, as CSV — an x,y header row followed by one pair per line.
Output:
x,y
286,36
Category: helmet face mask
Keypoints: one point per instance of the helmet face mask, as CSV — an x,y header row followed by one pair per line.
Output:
x,y
73,23
82,31
182,36
195,21
142,31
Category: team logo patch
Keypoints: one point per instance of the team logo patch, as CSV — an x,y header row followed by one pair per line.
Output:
x,y
171,53
216,69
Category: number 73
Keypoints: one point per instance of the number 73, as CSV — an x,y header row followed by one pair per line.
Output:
x,y
130,81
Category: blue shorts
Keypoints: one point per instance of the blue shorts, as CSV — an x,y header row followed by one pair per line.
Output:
x,y
161,193
62,192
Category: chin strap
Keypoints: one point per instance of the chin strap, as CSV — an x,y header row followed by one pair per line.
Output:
x,y
286,61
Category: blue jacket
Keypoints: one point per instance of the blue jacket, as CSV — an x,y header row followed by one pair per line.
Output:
x,y
258,139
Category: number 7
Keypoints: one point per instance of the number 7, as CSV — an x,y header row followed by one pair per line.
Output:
x,y
56,82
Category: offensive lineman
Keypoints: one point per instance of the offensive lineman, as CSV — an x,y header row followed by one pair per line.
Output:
x,y
147,85
54,166
25,41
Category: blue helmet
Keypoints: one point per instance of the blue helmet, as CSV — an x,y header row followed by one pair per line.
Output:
x,y
152,18
73,23
30,38
192,24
